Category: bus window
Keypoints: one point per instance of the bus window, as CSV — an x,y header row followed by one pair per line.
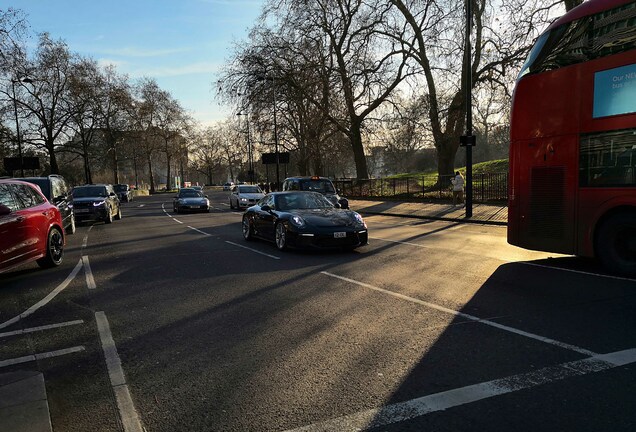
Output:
x,y
608,159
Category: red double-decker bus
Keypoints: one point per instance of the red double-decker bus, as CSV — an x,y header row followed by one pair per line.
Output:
x,y
572,183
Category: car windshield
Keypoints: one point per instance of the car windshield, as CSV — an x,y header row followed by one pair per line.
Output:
x,y
121,188
190,194
250,189
317,185
89,191
299,201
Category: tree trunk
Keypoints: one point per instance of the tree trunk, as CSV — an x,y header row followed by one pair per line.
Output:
x,y
152,179
360,159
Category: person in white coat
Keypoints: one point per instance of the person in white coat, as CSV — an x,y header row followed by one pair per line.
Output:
x,y
458,188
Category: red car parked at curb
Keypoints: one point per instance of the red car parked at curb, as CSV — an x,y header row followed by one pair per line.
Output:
x,y
30,227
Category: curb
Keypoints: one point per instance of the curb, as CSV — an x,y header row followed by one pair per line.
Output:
x,y
441,218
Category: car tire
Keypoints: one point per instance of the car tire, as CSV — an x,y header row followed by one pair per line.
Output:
x,y
118,215
231,204
54,250
71,228
280,236
109,217
615,244
248,229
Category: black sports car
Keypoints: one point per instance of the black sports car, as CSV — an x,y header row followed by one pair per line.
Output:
x,y
190,200
304,219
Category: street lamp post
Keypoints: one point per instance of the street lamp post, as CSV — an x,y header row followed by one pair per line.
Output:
x,y
249,147
17,128
269,78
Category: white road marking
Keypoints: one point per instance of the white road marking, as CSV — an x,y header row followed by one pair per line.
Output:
x,y
46,299
253,250
90,280
400,242
41,328
40,356
577,271
176,220
225,204
402,411
199,231
468,317
85,240
141,205
127,410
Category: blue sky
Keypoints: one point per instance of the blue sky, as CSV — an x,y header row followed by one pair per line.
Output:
x,y
180,43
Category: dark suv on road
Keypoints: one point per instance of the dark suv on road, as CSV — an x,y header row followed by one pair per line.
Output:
x,y
316,184
96,202
124,192
58,192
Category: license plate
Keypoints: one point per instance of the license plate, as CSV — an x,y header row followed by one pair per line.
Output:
x,y
339,235
81,210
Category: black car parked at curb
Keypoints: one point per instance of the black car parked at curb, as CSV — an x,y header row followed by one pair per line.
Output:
x,y
96,202
57,191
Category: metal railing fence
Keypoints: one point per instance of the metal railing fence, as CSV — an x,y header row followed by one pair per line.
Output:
x,y
486,187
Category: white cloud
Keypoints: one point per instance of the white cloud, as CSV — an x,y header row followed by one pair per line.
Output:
x,y
103,62
171,71
140,52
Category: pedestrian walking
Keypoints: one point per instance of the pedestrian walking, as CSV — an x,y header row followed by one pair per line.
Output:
x,y
458,188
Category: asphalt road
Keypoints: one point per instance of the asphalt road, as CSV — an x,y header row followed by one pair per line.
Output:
x,y
432,326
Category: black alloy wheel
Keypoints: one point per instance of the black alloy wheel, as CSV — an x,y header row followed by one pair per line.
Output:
x,y
281,236
248,229
54,250
615,244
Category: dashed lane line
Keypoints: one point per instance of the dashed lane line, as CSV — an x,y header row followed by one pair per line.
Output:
x,y
46,299
468,317
577,271
90,280
40,356
418,407
199,231
253,250
41,328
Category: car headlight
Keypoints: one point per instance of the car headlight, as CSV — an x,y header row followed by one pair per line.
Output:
x,y
99,203
297,221
243,199
358,219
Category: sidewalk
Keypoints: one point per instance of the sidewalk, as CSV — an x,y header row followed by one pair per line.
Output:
x,y
23,402
482,213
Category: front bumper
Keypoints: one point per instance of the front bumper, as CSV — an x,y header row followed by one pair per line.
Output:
x,y
328,240
90,213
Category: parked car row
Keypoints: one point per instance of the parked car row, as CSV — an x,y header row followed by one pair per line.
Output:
x,y
36,213
31,227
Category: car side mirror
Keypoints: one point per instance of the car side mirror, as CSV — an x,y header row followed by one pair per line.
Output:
x,y
266,208
337,205
344,203
4,210
112,194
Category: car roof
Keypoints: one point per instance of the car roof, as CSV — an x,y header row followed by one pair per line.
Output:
x,y
16,181
308,178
